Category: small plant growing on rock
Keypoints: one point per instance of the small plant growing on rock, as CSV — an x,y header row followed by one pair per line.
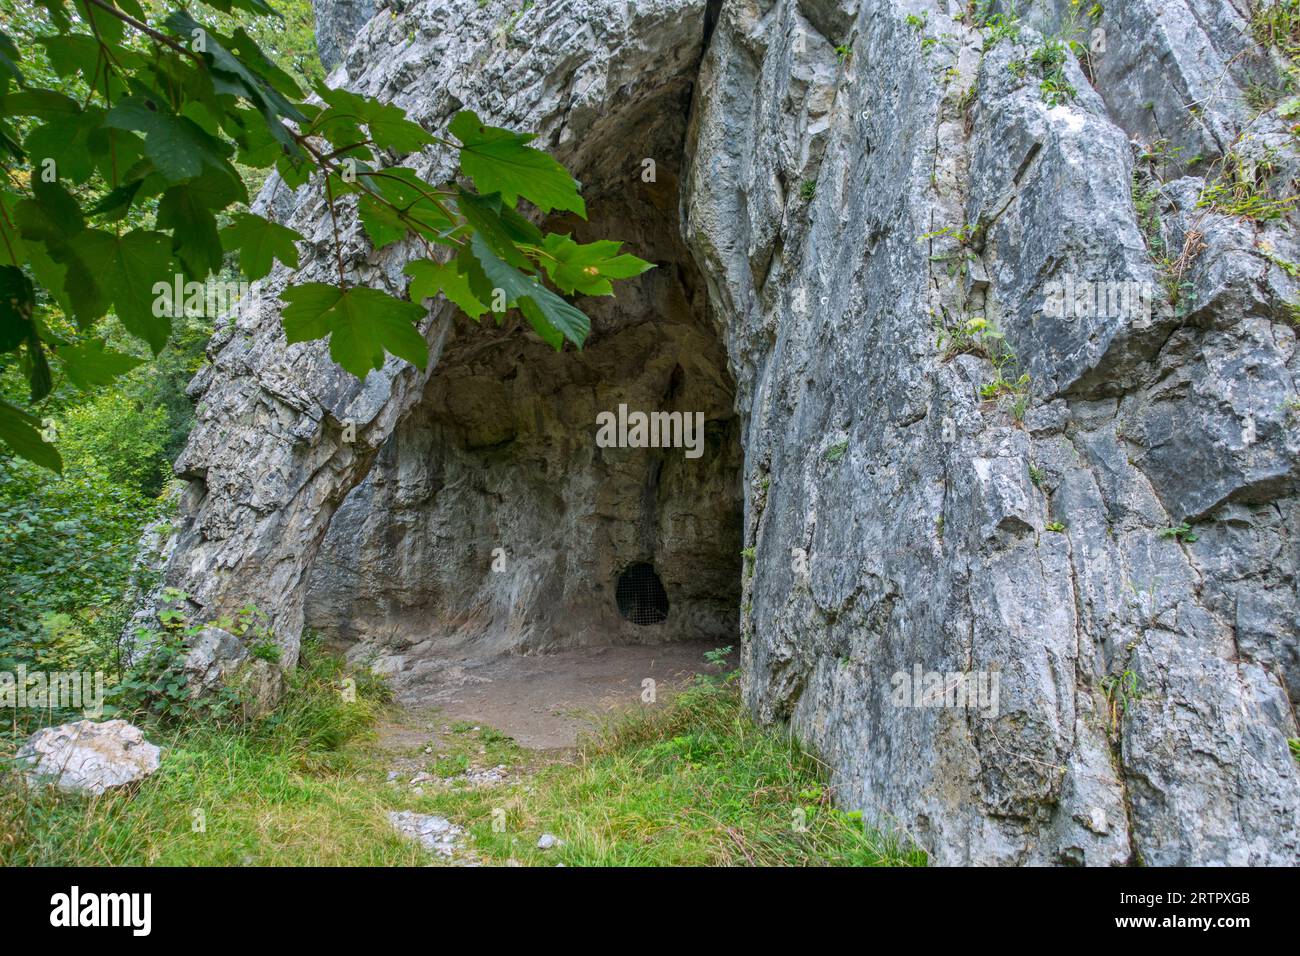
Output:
x,y
1242,189
1182,532
1003,386
1120,692
1050,61
836,451
975,336
997,25
808,189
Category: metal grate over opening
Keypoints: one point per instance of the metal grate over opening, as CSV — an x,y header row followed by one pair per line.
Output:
x,y
641,596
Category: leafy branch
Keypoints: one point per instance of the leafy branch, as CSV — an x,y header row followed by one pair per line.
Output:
x,y
164,110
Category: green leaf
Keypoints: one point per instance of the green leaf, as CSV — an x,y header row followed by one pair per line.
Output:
x,y
37,368
128,267
361,324
52,215
90,364
187,210
12,247
404,189
295,172
248,51
116,203
428,278
388,125
67,141
547,312
382,224
258,90
194,232
588,269
483,215
258,241
9,58
178,146
17,303
18,431
500,161
43,103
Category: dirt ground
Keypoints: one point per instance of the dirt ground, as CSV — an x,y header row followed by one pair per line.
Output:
x,y
544,701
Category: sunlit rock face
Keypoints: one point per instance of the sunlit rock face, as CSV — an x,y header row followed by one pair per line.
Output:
x,y
836,183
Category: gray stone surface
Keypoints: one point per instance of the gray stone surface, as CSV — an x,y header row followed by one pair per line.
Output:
x,y
436,834
834,208
212,654
89,758
337,24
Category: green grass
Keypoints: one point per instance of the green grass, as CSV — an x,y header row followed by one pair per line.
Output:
x,y
282,791
691,781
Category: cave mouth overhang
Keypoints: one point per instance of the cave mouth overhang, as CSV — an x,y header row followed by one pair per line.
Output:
x,y
494,520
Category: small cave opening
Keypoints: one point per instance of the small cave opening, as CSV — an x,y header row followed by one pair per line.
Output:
x,y
641,596
502,518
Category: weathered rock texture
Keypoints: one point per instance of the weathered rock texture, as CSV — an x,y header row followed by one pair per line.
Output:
x,y
854,174
88,757
337,24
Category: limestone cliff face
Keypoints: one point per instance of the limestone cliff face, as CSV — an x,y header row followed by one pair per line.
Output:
x,y
836,182
337,24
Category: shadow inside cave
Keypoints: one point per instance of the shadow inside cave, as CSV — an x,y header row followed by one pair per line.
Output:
x,y
493,522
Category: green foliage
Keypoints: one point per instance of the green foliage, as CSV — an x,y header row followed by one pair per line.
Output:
x,y
974,336
128,133
66,552
718,656
1276,23
285,789
1049,58
1244,186
1120,691
1181,532
996,26
835,452
111,437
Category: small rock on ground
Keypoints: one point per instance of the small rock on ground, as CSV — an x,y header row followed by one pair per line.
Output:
x,y
436,834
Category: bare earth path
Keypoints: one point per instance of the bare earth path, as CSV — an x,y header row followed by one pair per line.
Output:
x,y
544,701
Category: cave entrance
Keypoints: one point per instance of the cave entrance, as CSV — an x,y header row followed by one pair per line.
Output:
x,y
641,596
495,523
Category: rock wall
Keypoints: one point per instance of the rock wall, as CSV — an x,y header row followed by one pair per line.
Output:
x,y
864,184
337,24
